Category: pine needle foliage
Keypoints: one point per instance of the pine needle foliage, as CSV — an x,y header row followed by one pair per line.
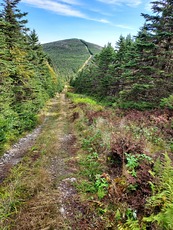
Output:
x,y
137,73
26,78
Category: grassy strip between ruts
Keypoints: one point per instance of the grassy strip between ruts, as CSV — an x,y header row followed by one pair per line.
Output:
x,y
29,191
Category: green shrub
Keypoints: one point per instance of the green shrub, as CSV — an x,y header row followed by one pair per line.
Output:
x,y
141,105
167,102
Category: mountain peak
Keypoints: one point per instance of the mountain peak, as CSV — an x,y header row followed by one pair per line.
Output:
x,y
69,55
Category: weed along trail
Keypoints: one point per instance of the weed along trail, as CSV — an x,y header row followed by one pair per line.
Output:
x,y
91,168
38,192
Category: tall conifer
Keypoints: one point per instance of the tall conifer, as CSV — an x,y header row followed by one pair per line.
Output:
x,y
152,78
15,27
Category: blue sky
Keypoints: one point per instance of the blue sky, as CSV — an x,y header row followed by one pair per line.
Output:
x,y
96,21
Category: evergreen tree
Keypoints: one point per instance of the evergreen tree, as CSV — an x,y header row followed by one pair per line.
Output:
x,y
3,48
138,72
95,77
123,63
33,40
105,58
152,76
26,79
15,23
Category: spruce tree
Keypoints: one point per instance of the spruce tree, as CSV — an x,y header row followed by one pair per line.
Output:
x,y
160,26
15,27
119,70
26,79
152,78
3,48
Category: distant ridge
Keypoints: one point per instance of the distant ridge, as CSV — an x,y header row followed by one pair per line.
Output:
x,y
69,55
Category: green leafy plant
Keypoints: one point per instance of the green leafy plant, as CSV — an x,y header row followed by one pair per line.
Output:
x,y
133,162
92,144
93,155
167,102
90,167
86,187
131,220
101,185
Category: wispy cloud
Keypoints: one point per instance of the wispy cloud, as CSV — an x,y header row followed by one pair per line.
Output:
x,y
148,6
102,21
69,8
63,7
100,12
71,2
131,3
124,27
113,24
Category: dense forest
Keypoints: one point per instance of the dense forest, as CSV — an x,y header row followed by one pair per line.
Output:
x,y
138,72
27,79
69,55
103,158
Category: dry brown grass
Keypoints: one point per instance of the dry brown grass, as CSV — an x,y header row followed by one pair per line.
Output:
x,y
41,212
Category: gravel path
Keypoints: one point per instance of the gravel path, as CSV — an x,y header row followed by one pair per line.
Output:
x,y
16,153
56,206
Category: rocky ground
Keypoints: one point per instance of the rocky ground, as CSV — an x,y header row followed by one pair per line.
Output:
x,y
16,153
56,206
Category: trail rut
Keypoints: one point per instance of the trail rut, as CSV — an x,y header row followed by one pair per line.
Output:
x,y
16,153
52,207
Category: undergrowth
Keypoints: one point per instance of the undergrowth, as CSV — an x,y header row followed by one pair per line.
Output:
x,y
125,168
78,99
24,182
120,161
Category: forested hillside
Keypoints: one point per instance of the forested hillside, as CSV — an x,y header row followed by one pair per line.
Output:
x,y
69,55
137,73
101,158
26,78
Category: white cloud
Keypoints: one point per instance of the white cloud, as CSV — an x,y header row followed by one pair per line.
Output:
x,y
62,7
124,27
103,21
67,8
57,7
70,2
148,7
112,24
101,12
120,2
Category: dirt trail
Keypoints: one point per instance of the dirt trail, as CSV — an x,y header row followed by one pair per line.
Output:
x,y
57,204
16,153
87,61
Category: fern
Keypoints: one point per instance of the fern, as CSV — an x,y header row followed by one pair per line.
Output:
x,y
163,198
130,224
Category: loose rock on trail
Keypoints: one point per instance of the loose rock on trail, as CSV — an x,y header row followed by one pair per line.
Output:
x,y
54,207
16,153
